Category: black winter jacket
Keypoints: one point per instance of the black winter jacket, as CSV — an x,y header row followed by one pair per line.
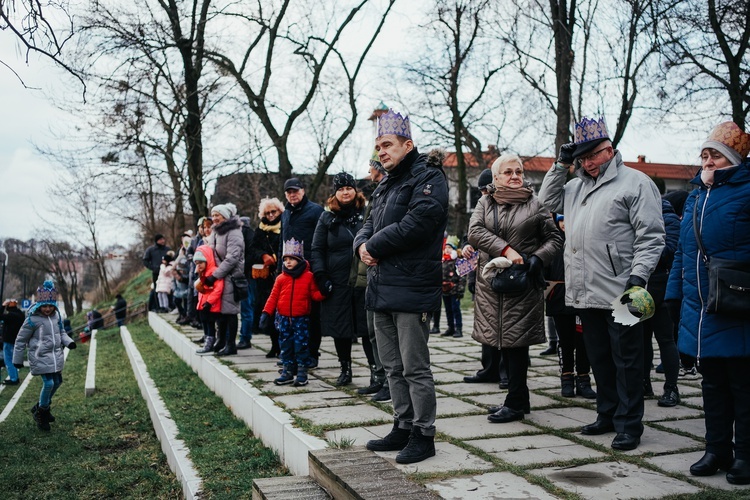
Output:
x,y
153,256
299,223
404,231
13,319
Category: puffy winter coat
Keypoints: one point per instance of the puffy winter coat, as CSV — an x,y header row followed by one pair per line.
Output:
x,y
723,215
265,242
340,315
500,320
293,297
213,295
230,257
12,318
153,256
165,281
45,337
453,284
404,231
657,283
299,222
613,228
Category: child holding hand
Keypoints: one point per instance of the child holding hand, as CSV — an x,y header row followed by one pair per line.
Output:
x,y
209,297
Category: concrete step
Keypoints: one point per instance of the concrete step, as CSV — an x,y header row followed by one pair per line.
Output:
x,y
288,488
361,474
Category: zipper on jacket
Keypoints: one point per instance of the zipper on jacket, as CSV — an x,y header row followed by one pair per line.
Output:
x,y
698,262
611,262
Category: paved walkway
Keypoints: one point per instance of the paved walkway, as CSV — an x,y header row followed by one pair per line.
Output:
x,y
542,456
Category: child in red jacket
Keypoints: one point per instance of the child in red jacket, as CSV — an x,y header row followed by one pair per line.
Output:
x,y
209,297
291,301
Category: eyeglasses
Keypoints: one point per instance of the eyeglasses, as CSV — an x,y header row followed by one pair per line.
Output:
x,y
510,173
271,212
593,155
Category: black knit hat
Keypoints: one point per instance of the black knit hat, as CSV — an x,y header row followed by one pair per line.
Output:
x,y
484,178
342,179
157,237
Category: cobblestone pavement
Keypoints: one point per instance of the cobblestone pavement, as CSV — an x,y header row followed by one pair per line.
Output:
x,y
543,456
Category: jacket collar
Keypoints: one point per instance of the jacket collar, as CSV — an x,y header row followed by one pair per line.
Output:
x,y
609,173
298,206
733,175
405,165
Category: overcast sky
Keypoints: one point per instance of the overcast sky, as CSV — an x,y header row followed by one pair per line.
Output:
x,y
27,118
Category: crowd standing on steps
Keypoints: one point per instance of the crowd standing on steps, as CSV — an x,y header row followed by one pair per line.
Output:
x,y
596,234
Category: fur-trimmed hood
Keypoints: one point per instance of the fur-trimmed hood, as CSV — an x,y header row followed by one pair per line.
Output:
x,y
227,225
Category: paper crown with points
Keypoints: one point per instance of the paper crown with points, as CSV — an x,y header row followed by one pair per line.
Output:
x,y
294,248
394,123
588,130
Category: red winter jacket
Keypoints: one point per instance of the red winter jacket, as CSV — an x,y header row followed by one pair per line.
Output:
x,y
293,296
212,294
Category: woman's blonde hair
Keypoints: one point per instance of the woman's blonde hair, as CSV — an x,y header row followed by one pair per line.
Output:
x,y
504,160
265,203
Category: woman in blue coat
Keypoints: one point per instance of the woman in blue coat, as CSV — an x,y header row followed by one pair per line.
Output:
x,y
720,206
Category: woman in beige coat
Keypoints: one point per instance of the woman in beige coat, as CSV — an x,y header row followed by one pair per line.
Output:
x,y
513,224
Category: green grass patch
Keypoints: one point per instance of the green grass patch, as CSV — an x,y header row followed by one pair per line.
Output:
x,y
223,449
103,446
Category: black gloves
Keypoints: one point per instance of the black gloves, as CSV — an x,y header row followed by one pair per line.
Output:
x,y
566,153
18,365
536,272
209,281
206,307
71,346
632,281
324,283
264,321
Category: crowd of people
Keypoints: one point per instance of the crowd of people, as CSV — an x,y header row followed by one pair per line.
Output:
x,y
598,254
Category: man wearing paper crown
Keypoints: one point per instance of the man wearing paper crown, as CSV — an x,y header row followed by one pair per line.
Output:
x,y
615,236
44,336
402,242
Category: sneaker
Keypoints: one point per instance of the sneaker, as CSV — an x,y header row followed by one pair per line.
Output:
x,y
689,373
285,378
659,368
300,380
670,398
312,363
383,395
8,381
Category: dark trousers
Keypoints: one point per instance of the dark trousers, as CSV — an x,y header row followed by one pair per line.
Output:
x,y
453,312
660,325
228,330
518,367
726,403
315,332
571,348
616,355
494,366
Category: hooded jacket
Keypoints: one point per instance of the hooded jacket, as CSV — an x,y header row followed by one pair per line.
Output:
x,y
613,228
45,338
165,281
212,295
723,215
292,296
500,320
404,231
229,245
12,318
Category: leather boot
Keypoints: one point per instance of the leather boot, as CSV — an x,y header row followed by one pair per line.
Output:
x,y
374,386
739,472
567,384
345,378
551,349
583,387
41,416
420,448
396,440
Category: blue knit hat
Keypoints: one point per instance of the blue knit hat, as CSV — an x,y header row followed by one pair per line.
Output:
x,y
46,294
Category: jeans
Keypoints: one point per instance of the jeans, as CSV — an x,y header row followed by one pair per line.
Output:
x,y
453,312
247,313
402,343
8,355
50,383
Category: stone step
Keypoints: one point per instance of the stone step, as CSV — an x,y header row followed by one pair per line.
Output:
x,y
361,474
288,488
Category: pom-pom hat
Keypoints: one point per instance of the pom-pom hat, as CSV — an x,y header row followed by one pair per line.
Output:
x,y
729,139
46,294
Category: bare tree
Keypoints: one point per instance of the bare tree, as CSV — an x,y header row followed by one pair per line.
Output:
x,y
452,81
708,54
309,39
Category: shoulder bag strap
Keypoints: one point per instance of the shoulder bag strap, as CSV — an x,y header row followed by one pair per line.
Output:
x,y
697,231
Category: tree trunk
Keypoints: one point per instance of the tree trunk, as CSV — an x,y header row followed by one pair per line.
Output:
x,y
563,22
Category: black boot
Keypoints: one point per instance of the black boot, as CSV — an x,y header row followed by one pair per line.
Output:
x,y
671,396
567,384
420,448
583,387
648,390
448,333
552,349
374,384
396,440
41,417
345,378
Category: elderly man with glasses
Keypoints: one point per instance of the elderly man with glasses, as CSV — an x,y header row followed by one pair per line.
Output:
x,y
614,238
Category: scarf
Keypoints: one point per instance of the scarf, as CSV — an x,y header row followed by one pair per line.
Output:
x,y
269,227
511,196
297,271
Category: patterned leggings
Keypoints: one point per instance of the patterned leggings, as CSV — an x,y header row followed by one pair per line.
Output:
x,y
294,335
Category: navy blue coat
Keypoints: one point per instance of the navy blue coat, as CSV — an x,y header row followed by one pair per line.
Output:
x,y
724,218
299,223
404,231
657,283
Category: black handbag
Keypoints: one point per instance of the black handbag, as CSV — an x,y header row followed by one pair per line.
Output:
x,y
512,281
240,288
728,280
